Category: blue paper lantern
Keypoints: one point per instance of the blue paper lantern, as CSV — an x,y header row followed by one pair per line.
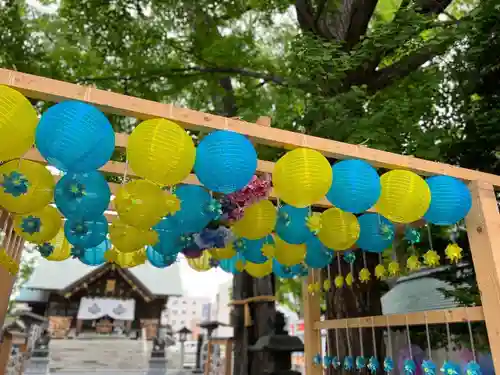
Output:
x,y
376,233
82,196
317,254
75,136
252,249
160,260
355,187
169,233
95,255
291,225
86,234
194,214
288,272
231,265
225,161
450,200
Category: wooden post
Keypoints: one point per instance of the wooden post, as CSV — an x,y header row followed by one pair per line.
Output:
x,y
483,230
6,279
208,362
312,314
5,351
229,357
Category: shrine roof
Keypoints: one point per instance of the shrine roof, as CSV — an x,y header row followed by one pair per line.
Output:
x,y
57,276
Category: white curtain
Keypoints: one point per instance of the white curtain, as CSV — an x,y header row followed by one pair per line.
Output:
x,y
95,308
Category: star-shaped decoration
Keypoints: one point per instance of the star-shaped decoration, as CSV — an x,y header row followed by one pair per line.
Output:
x,y
15,184
339,281
348,363
313,222
268,250
173,203
364,275
46,249
388,365
387,231
76,190
428,367
393,268
313,288
413,263
450,368
317,359
284,218
409,367
380,272
327,285
453,252
349,279
412,235
473,368
373,365
349,257
431,258
214,207
31,224
327,361
360,363
336,362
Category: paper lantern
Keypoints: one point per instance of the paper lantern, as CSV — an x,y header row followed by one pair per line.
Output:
x,y
194,214
259,270
161,151
450,200
291,225
82,196
61,249
355,186
94,256
140,203
223,253
168,236
257,222
160,260
225,161
233,265
252,249
25,186
39,226
340,230
202,263
285,272
288,254
405,196
376,233
86,233
317,254
128,259
302,177
18,120
75,136
126,238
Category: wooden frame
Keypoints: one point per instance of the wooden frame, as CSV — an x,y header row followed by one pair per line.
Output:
x,y
483,221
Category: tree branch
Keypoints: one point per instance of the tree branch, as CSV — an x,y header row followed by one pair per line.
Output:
x,y
361,14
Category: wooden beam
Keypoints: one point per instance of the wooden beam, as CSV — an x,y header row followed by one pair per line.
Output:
x,y
456,315
312,314
483,230
55,91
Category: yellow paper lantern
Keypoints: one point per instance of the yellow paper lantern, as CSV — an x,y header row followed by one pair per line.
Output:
x,y
39,226
25,186
126,260
128,239
257,222
18,121
288,254
339,229
223,253
202,263
140,203
259,270
405,196
161,151
302,177
62,250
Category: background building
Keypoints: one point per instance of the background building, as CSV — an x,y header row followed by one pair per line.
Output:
x,y
187,312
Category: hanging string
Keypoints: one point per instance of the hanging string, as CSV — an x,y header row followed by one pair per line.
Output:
x,y
429,348
125,173
361,338
389,335
364,259
471,336
374,340
339,266
430,236
337,342
448,336
348,338
380,260
408,337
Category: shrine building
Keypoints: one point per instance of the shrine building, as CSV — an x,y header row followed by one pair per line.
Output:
x,y
106,299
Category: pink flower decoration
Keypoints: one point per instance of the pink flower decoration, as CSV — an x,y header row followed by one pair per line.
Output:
x,y
256,190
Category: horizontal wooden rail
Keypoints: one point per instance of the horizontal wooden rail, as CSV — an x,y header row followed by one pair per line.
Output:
x,y
455,315
55,91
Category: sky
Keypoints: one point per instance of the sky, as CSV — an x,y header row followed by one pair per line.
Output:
x,y
201,284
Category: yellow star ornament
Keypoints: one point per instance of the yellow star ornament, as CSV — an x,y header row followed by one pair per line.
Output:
x,y
364,275
380,272
453,252
327,284
431,258
413,264
313,222
339,281
349,279
393,268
